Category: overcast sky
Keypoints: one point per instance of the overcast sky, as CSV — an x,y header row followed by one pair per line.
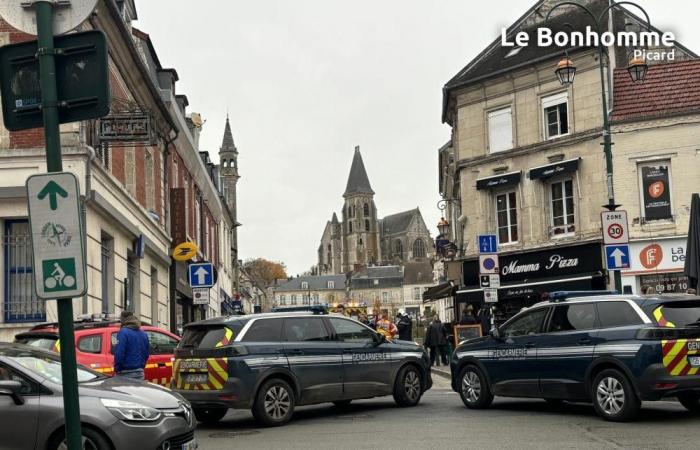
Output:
x,y
305,81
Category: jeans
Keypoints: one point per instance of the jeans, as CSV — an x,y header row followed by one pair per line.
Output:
x,y
442,349
136,374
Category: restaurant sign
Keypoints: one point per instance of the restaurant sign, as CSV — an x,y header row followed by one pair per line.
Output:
x,y
127,127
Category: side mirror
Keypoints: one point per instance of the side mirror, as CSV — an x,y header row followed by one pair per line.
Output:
x,y
379,340
13,389
494,333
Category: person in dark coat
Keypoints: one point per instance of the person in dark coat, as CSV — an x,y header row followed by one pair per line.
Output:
x,y
436,341
405,326
132,349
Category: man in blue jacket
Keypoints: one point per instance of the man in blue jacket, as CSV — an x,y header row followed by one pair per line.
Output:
x,y
131,352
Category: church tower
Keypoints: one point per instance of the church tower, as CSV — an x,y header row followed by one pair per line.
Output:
x,y
360,234
228,160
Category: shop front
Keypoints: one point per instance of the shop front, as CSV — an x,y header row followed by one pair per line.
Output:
x,y
657,263
527,277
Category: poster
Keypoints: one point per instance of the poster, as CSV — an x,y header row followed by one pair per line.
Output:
x,y
657,194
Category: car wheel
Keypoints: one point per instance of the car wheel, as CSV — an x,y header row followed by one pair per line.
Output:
x,y
342,403
209,415
474,388
274,403
92,440
408,387
690,401
613,396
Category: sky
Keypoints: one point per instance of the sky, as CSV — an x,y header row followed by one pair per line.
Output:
x,y
305,81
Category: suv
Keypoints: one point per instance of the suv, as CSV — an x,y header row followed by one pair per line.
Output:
x,y
613,351
95,339
270,363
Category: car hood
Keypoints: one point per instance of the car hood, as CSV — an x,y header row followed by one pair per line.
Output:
x,y
142,392
408,345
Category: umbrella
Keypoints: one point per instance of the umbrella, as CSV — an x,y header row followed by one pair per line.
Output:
x,y
692,252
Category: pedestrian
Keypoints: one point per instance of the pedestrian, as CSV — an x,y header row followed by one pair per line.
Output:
x,y
436,341
467,316
405,326
131,350
386,327
363,320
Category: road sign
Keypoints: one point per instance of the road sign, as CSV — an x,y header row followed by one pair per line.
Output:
x,y
490,281
488,243
200,296
185,251
68,14
491,295
617,256
57,235
488,264
201,275
615,227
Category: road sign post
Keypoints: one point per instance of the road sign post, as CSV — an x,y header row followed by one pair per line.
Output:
x,y
615,233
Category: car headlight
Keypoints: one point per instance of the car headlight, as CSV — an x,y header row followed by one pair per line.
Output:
x,y
130,411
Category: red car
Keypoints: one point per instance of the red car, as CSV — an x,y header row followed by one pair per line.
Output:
x,y
94,346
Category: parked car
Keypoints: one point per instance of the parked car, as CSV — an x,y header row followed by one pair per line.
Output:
x,y
116,413
94,344
611,350
271,363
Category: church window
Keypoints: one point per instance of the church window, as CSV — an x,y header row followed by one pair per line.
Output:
x,y
350,226
366,210
398,247
353,211
360,241
366,224
419,248
224,164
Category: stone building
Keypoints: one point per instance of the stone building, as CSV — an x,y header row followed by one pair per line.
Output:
x,y
524,161
379,288
310,290
361,239
417,277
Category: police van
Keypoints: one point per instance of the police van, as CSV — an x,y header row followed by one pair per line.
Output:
x,y
271,363
611,350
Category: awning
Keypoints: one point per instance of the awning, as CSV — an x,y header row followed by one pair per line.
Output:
x,y
550,170
498,181
440,291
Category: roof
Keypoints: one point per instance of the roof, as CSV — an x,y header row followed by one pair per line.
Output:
x,y
358,182
379,272
399,222
418,273
228,145
670,88
316,283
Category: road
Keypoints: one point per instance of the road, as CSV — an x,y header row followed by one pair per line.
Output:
x,y
441,421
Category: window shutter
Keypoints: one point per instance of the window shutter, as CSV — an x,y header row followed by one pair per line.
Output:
x,y
500,130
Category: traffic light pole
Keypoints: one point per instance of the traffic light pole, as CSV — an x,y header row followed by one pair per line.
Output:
x,y
52,137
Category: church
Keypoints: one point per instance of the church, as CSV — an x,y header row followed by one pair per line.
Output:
x,y
361,239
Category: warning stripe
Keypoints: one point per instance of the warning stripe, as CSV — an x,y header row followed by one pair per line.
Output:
x,y
228,337
659,316
217,375
675,357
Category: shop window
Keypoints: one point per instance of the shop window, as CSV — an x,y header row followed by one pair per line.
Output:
x,y
556,115
21,303
500,130
562,208
507,218
655,190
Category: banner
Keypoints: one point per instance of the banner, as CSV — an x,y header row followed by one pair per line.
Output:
x,y
657,195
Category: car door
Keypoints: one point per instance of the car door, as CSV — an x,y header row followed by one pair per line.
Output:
x,y
159,368
566,350
314,359
367,367
90,351
512,362
19,423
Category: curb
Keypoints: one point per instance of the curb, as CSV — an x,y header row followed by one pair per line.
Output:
x,y
441,373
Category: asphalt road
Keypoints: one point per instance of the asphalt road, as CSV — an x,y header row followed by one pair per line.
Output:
x,y
441,421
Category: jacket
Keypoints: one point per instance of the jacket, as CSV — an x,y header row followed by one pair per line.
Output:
x,y
386,328
435,336
131,351
405,326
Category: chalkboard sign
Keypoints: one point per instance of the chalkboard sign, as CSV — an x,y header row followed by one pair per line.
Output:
x,y
464,332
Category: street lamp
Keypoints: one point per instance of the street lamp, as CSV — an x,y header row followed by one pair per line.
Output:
x,y
637,69
443,227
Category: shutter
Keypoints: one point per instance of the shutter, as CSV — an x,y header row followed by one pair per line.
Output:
x,y
500,130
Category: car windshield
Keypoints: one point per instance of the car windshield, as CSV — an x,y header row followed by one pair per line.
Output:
x,y
46,343
678,314
49,368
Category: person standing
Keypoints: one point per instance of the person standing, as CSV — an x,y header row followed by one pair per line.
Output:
x,y
436,341
131,351
386,327
405,326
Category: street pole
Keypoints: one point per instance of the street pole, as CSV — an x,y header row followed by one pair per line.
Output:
x,y
52,137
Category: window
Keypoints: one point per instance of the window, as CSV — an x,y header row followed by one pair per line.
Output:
x,y
154,296
416,293
315,302
267,330
562,201
90,344
529,323
294,299
305,329
305,299
500,130
385,297
366,224
331,285
350,226
418,248
106,271
206,337
304,285
375,282
160,343
507,218
28,387
617,314
21,303
655,190
283,299
398,248
573,317
556,116
365,210
349,331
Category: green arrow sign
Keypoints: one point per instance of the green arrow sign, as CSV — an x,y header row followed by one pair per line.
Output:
x,y
52,189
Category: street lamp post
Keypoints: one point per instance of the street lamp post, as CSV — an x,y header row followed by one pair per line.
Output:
x,y
637,69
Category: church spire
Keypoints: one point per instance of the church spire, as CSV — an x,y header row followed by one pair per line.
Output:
x,y
358,182
228,145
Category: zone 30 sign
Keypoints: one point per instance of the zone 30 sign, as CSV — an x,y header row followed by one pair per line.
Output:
x,y
615,229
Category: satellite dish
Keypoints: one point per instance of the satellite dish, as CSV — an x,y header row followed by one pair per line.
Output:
x,y
67,14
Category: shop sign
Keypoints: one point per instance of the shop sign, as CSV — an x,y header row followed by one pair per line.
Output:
x,y
126,128
653,256
666,283
657,196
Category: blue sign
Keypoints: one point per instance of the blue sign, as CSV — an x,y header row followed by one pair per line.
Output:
x,y
488,243
617,257
201,275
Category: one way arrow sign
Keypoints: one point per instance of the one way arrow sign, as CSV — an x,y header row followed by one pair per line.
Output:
x,y
201,275
617,257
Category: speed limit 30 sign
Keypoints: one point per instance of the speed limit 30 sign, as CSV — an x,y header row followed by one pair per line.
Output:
x,y
615,227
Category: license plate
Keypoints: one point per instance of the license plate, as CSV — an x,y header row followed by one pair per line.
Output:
x,y
189,364
191,445
694,361
195,378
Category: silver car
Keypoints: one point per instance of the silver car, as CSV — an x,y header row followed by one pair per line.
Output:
x,y
116,413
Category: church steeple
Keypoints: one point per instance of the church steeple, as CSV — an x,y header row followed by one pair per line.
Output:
x,y
228,145
228,169
358,181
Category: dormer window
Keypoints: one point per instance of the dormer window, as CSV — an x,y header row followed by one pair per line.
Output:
x,y
304,285
331,285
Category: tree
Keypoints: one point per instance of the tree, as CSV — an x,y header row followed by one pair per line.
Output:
x,y
263,273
